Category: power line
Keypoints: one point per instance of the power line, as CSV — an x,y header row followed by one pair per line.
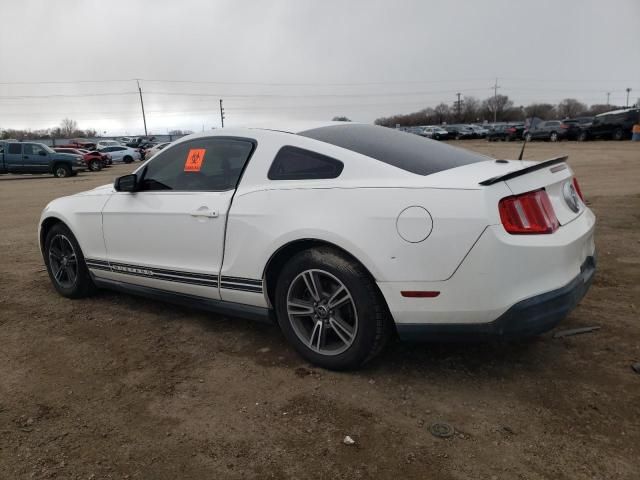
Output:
x,y
65,95
293,84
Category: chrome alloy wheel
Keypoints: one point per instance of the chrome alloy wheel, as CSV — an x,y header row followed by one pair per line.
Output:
x,y
322,312
63,261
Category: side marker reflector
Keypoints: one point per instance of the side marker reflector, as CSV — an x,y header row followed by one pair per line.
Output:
x,y
419,294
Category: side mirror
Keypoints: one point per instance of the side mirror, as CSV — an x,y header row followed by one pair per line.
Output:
x,y
42,153
126,183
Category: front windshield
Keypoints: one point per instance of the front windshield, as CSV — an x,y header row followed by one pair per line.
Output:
x,y
48,148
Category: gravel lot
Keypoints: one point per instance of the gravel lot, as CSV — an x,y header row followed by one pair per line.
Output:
x,y
120,387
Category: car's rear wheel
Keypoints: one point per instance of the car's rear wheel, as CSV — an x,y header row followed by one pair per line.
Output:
x,y
95,165
528,137
65,263
553,137
61,171
127,159
582,137
330,309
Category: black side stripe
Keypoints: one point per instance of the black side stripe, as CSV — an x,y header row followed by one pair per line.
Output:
x,y
231,286
244,281
191,278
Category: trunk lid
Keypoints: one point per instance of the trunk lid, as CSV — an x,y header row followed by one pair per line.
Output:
x,y
556,177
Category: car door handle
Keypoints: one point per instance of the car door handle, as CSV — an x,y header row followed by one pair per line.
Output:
x,y
25,156
204,212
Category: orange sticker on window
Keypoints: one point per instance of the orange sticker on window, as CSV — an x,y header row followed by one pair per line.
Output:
x,y
194,160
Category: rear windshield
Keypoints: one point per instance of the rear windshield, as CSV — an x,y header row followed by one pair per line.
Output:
x,y
403,150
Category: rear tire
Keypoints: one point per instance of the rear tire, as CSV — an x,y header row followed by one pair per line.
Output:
x,y
65,263
127,159
553,137
528,137
582,137
61,170
329,308
95,165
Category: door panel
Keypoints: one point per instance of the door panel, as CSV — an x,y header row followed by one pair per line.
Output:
x,y
13,157
169,240
170,234
35,158
33,161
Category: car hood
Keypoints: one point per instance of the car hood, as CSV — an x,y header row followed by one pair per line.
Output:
x,y
65,156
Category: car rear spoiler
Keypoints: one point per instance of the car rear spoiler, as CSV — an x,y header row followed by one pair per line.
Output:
x,y
524,171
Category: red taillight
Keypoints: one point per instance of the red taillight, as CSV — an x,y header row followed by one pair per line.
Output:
x,y
528,213
564,126
576,185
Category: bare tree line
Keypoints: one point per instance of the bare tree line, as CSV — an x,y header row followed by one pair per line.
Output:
x,y
472,110
68,128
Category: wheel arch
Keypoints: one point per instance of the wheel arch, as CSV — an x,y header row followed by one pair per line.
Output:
x,y
45,227
279,258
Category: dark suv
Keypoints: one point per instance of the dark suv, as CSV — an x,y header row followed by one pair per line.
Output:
x,y
506,132
552,130
616,125
577,126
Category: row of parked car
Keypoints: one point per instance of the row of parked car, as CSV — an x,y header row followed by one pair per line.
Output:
x,y
127,149
68,159
616,125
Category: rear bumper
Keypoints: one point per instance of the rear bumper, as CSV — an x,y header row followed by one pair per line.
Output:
x,y
526,318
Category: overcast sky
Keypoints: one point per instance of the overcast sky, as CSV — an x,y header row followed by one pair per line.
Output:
x,y
297,59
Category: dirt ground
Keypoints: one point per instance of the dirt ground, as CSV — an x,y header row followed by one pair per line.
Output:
x,y
120,387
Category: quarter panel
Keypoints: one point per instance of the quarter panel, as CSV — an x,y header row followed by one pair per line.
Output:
x,y
362,221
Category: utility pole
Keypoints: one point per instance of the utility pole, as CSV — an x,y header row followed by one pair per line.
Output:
x,y
221,114
144,119
458,105
628,92
608,95
495,101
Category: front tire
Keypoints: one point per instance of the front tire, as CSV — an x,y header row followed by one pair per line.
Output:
x,y
618,134
127,159
330,310
95,165
65,263
61,171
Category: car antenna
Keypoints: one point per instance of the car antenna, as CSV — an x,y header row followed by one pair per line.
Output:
x,y
524,144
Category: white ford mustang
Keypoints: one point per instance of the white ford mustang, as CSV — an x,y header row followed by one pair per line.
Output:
x,y
342,233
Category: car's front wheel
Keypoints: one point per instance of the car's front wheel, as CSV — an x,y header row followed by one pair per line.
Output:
x,y
127,159
330,309
95,165
618,134
65,263
61,170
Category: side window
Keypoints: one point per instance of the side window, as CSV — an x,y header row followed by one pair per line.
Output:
x,y
15,148
293,163
33,149
205,164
